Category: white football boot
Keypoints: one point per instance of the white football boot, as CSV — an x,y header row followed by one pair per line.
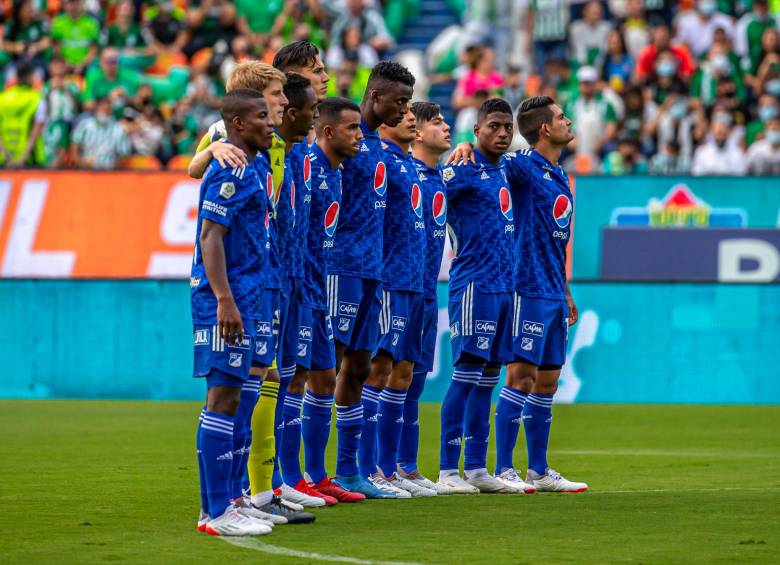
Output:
x,y
289,494
203,519
421,481
245,507
232,523
380,482
553,481
412,488
455,484
511,479
487,483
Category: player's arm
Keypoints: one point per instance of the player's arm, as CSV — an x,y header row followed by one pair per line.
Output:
x,y
212,249
224,153
573,313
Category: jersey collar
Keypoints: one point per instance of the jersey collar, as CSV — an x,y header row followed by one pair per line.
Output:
x,y
324,162
367,132
482,160
423,166
393,147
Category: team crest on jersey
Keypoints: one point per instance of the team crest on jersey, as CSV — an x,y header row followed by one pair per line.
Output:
x,y
448,174
302,347
344,324
227,190
417,200
331,219
236,359
483,343
439,208
562,211
261,348
505,198
307,172
380,178
527,344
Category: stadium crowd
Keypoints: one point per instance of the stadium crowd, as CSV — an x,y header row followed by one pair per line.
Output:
x,y
653,86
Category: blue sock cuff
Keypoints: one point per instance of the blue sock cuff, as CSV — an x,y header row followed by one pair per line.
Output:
x,y
467,373
393,396
370,393
251,385
217,423
349,416
287,373
543,401
320,403
293,400
513,396
489,380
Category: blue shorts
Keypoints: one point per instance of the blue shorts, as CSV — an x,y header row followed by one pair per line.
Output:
x,y
316,350
481,324
291,322
401,324
541,331
429,333
215,357
353,305
267,328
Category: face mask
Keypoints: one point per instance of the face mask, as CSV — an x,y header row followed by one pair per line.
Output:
x,y
720,63
773,87
666,68
722,118
766,113
707,7
678,109
773,137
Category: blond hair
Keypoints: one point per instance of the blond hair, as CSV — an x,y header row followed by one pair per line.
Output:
x,y
254,75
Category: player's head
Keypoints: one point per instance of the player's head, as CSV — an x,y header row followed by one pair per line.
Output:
x,y
338,126
403,133
301,110
388,92
432,131
303,57
494,129
267,80
247,120
541,120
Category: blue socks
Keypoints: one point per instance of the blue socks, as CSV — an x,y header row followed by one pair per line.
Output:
x,y
477,421
290,450
509,410
217,452
204,499
410,433
537,418
317,410
284,381
349,421
367,444
391,407
464,379
242,436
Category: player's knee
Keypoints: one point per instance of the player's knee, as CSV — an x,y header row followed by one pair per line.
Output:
x,y
322,382
298,382
401,375
356,366
521,377
272,376
223,400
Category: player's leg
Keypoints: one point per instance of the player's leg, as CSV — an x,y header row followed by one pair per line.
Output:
x,y
284,376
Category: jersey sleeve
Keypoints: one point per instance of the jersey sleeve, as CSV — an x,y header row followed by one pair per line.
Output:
x,y
227,192
516,166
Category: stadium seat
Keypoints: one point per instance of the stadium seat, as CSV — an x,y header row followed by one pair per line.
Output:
x,y
141,163
179,163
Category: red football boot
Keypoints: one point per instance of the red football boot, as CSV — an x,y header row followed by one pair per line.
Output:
x,y
329,488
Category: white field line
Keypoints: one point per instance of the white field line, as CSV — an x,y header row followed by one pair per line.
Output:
x,y
656,490
257,545
666,453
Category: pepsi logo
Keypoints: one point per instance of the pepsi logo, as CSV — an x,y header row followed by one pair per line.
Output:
x,y
380,178
307,172
562,210
506,203
267,220
439,208
417,200
331,219
269,188
292,196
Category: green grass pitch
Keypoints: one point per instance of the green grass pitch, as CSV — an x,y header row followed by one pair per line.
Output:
x,y
100,482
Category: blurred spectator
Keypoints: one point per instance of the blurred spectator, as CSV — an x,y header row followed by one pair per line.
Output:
x,y
145,130
669,161
768,110
588,36
666,78
184,129
763,157
618,65
514,91
481,76
210,21
99,141
202,100
62,104
626,159
560,77
677,122
697,28
166,28
546,25
125,33
302,18
635,27
467,117
26,36
75,36
717,79
351,46
636,115
749,33
257,18
350,80
717,156
595,120
366,19
767,77
22,118
110,80
662,41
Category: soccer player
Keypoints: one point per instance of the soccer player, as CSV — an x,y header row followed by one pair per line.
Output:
x,y
432,138
338,137
303,58
356,262
481,227
229,264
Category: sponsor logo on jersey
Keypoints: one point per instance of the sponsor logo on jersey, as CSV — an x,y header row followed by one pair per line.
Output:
x,y
505,198
273,194
448,174
439,208
261,347
304,333
236,359
331,219
292,199
307,172
417,200
348,309
527,344
380,178
267,220
533,328
227,190
483,343
485,327
398,323
263,328
201,337
562,210
194,281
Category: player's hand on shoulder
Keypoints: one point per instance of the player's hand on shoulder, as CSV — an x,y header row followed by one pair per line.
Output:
x,y
463,153
228,155
231,327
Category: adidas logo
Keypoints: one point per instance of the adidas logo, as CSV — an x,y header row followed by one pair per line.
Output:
x,y
484,175
226,456
269,461
374,418
403,169
324,186
400,420
518,420
548,420
416,423
280,426
526,417
456,441
547,176
294,422
359,436
363,148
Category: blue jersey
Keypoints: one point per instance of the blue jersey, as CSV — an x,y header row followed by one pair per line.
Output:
x,y
357,251
323,219
299,167
285,222
479,218
236,199
273,278
435,214
403,264
545,206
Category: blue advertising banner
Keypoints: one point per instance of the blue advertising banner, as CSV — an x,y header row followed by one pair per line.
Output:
x,y
659,203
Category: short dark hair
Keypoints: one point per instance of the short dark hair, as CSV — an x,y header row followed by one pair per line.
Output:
x,y
493,105
24,72
425,111
385,72
236,102
295,89
331,108
296,55
532,113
